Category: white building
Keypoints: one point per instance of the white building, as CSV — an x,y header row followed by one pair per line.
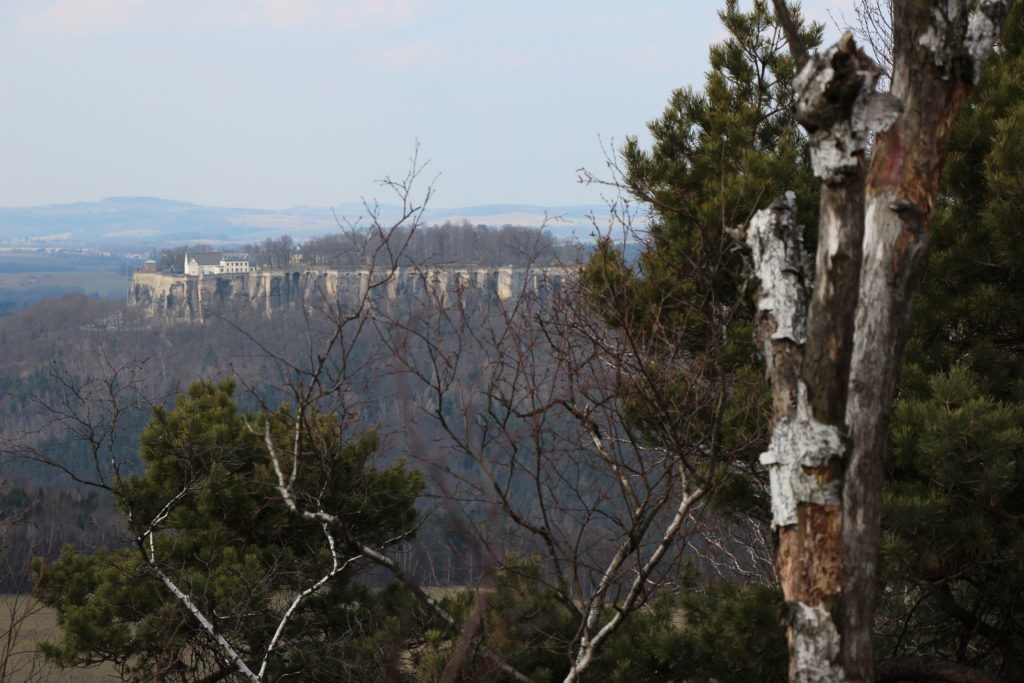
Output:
x,y
218,263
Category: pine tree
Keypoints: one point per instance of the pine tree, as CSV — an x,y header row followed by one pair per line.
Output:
x,y
688,281
717,155
953,547
233,547
703,632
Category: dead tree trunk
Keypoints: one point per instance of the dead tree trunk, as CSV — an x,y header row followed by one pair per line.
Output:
x,y
833,364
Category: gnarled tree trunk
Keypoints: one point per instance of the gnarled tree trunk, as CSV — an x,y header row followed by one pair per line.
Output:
x,y
833,363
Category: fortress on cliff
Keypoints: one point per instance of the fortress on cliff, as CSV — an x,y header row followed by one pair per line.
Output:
x,y
211,289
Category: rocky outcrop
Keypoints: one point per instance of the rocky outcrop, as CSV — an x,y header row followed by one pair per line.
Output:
x,y
190,299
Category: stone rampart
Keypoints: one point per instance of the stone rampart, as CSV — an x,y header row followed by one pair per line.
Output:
x,y
186,298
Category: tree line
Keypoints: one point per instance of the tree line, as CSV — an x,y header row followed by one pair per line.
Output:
x,y
448,244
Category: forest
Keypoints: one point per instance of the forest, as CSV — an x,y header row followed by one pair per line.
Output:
x,y
671,470
450,244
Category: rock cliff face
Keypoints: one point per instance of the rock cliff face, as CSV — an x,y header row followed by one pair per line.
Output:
x,y
188,299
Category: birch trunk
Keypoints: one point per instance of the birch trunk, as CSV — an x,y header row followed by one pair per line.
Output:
x,y
833,364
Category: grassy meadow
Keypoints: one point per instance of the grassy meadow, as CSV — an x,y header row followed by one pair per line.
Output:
x,y
23,624
106,284
27,277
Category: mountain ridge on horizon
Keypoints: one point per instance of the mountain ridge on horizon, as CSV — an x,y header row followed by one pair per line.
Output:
x,y
154,220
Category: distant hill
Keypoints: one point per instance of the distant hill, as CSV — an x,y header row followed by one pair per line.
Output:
x,y
161,222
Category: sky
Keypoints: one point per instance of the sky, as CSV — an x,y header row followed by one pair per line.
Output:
x,y
279,103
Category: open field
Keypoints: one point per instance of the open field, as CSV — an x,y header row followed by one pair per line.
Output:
x,y
18,654
29,276
30,261
18,291
102,283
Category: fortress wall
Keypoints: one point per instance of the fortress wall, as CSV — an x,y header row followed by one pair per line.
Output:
x,y
189,299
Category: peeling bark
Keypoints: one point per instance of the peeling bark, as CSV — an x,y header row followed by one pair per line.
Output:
x,y
833,364
808,445
932,82
802,454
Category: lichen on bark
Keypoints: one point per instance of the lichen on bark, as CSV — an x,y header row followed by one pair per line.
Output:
x,y
815,645
776,247
800,446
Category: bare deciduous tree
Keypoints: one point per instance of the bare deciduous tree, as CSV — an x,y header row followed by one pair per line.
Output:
x,y
342,357
586,451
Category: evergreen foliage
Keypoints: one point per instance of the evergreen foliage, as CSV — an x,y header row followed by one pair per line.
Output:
x,y
517,616
718,155
953,547
698,633
231,544
722,633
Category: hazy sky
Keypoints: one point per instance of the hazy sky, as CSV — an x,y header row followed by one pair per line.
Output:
x,y
275,103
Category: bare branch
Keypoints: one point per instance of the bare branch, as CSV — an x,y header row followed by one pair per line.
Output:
x,y
796,43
